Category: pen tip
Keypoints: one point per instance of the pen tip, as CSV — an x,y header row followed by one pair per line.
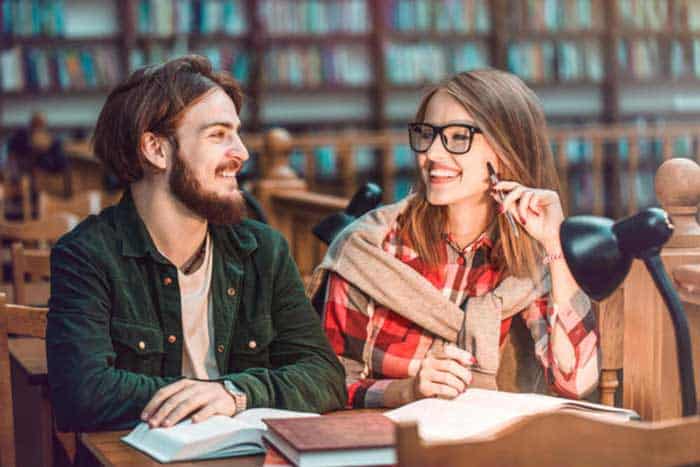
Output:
x,y
490,167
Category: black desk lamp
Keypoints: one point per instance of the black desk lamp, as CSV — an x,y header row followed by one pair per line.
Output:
x,y
599,253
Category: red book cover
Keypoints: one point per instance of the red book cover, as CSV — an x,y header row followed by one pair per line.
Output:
x,y
337,432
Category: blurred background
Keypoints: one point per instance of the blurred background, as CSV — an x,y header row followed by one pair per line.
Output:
x,y
618,79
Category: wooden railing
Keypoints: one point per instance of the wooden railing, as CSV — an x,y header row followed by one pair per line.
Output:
x,y
611,172
651,382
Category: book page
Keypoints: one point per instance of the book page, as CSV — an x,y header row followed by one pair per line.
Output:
x,y
479,412
218,436
443,420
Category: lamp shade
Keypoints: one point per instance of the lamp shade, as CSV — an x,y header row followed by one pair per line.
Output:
x,y
593,255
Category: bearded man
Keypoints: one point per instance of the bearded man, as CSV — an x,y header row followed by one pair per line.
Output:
x,y
170,305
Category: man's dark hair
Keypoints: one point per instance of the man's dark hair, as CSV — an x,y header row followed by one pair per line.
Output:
x,y
153,98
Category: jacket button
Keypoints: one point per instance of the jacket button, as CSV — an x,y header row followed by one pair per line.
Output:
x,y
172,339
142,345
167,280
231,291
252,345
220,348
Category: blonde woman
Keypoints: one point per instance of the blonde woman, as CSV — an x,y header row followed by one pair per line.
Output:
x,y
424,296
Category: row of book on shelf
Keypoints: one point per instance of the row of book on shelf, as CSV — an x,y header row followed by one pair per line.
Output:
x,y
33,68
168,17
314,16
646,58
543,61
660,14
345,64
556,15
32,17
311,66
462,16
429,62
227,57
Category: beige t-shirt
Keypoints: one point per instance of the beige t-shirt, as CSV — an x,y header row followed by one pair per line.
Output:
x,y
198,354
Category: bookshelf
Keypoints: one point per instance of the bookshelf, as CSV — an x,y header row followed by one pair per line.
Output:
x,y
327,64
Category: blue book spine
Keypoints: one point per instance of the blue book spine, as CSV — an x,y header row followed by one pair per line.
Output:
x,y
87,65
7,17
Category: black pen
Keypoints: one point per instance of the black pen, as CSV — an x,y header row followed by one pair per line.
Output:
x,y
501,197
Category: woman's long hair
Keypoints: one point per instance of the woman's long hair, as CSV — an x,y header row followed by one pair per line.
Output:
x,y
513,123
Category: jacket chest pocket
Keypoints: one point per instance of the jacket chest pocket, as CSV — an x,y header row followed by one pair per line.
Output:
x,y
139,348
251,346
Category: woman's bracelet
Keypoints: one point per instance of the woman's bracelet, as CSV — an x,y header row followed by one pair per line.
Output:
x,y
553,257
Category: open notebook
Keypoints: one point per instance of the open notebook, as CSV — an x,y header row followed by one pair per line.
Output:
x,y
478,413
216,437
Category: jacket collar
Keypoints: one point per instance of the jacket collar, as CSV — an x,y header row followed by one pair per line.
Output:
x,y
237,240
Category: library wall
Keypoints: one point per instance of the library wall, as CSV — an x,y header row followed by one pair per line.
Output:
x,y
312,65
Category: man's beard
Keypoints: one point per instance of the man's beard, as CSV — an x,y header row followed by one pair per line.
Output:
x,y
208,205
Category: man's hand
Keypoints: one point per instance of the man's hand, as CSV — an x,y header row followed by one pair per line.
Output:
x,y
186,397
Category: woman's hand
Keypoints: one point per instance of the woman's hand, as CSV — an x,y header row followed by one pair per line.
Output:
x,y
444,372
538,211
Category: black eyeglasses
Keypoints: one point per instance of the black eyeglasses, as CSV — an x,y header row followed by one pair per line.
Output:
x,y
456,138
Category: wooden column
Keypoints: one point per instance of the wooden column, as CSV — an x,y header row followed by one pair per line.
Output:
x,y
651,382
610,316
276,175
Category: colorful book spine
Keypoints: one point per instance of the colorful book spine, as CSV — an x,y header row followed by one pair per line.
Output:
x,y
443,16
314,16
310,66
32,17
168,17
36,68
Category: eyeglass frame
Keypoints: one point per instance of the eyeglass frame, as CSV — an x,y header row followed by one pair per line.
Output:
x,y
439,130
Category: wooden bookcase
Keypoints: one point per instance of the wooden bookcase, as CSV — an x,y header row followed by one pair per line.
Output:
x,y
322,64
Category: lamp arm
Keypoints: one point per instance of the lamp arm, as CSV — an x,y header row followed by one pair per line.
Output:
x,y
680,327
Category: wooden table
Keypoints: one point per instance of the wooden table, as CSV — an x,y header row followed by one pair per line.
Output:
x,y
108,448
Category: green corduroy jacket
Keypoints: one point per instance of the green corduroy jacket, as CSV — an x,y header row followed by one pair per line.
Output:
x,y
114,334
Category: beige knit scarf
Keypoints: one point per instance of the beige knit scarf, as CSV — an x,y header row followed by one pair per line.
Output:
x,y
357,255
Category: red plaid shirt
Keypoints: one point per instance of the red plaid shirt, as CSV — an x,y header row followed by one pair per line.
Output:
x,y
388,346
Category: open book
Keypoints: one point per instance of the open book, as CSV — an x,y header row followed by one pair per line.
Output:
x,y
478,413
218,436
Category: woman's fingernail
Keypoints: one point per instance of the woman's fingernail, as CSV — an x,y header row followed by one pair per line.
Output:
x,y
522,220
500,209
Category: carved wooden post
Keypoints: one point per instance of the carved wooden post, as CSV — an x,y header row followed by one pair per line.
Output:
x,y
276,175
651,383
610,314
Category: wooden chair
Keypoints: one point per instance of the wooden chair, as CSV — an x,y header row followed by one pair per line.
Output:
x,y
37,233
42,231
9,192
34,263
19,320
556,439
